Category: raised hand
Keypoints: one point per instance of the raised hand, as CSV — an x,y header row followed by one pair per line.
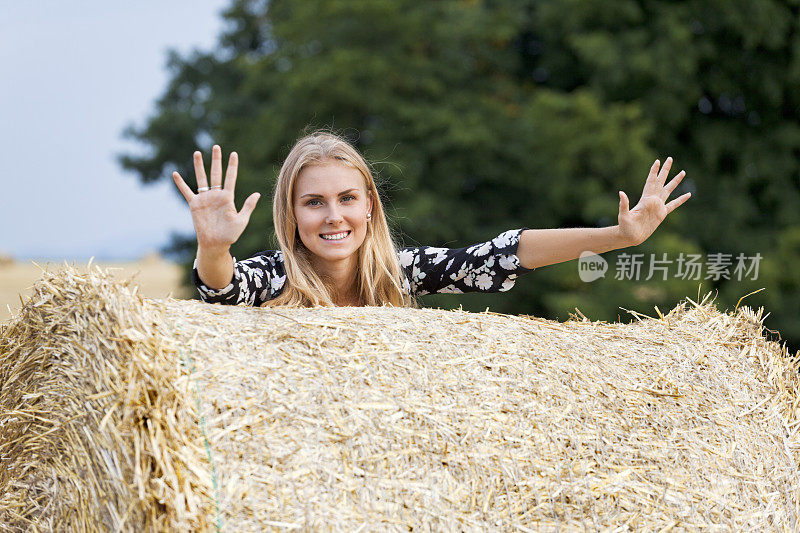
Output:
x,y
637,224
216,221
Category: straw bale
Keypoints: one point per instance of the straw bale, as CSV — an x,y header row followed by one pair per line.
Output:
x,y
123,413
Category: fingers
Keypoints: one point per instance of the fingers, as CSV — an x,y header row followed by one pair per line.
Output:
x,y
199,170
216,166
677,202
185,190
669,187
653,170
650,184
624,204
249,206
662,176
230,173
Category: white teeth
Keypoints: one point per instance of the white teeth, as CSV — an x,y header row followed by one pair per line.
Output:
x,y
335,236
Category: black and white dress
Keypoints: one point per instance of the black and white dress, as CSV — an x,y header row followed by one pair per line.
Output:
x,y
491,266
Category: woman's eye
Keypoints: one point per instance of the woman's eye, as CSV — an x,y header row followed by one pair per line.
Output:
x,y
313,202
348,197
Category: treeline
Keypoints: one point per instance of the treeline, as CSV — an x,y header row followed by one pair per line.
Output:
x,y
481,116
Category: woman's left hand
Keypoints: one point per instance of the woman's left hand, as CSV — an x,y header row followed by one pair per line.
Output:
x,y
637,224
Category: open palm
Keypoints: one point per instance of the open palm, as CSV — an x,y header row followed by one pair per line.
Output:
x,y
637,224
216,221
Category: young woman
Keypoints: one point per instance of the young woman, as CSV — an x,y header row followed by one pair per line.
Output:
x,y
335,245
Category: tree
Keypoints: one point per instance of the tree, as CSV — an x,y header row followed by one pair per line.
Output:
x,y
719,82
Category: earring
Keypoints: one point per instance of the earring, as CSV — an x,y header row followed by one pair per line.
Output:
x,y
369,216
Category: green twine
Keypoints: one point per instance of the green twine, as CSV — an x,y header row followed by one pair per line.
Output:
x,y
202,423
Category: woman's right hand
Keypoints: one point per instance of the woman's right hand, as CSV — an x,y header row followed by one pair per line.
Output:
x,y
217,223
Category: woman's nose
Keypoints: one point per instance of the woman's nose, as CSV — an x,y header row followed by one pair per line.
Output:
x,y
333,216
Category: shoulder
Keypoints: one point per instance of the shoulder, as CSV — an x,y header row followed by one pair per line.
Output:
x,y
271,258
408,256
268,265
265,272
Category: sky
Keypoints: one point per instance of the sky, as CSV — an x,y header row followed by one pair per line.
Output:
x,y
74,75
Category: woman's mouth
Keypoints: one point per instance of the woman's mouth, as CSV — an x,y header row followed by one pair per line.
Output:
x,y
335,236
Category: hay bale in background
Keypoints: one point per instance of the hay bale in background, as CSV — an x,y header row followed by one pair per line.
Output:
x,y
128,413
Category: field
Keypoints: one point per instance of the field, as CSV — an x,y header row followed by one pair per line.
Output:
x,y
156,278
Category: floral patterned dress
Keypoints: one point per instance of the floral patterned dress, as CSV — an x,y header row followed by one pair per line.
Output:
x,y
491,266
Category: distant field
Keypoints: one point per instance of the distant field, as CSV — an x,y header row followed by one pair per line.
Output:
x,y
156,278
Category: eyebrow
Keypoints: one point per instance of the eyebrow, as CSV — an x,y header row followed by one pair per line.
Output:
x,y
320,196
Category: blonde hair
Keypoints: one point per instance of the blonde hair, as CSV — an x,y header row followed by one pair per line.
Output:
x,y
379,278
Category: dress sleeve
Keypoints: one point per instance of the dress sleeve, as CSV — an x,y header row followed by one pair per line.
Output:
x,y
491,266
255,280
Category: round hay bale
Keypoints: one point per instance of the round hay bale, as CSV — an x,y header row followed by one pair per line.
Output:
x,y
118,412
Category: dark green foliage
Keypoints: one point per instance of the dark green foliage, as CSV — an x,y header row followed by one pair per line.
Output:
x,y
484,116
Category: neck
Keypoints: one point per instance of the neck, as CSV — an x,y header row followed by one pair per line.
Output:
x,y
340,276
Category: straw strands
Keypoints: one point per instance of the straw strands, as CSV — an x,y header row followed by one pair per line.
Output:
x,y
123,413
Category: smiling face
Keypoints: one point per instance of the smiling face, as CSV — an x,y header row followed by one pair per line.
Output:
x,y
331,203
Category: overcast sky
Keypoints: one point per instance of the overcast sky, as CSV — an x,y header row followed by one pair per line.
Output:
x,y
75,74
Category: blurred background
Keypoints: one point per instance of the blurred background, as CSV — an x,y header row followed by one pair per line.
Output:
x,y
75,76
477,116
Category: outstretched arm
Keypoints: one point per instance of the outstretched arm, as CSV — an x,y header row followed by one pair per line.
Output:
x,y
542,247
